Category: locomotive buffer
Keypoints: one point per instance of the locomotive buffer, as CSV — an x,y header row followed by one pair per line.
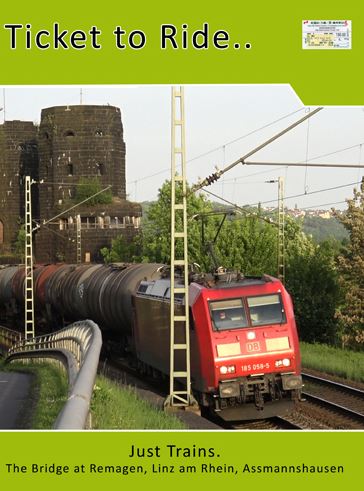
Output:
x,y
180,395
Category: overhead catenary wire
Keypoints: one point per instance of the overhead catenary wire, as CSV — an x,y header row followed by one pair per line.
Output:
x,y
242,160
66,184
213,150
267,171
324,204
274,200
333,188
240,208
71,208
305,164
54,232
305,186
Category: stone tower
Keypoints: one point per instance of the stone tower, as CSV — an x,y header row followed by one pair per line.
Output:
x,y
18,157
75,143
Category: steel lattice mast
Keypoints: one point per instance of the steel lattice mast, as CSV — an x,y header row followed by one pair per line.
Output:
x,y
281,217
28,253
180,376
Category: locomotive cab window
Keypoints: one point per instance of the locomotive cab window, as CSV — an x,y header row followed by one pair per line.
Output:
x,y
266,309
228,314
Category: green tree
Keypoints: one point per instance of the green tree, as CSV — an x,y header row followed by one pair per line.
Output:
x,y
248,244
322,229
156,235
245,243
19,245
88,187
121,250
312,280
351,268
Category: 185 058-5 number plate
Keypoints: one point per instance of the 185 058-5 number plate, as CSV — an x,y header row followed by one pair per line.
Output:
x,y
254,367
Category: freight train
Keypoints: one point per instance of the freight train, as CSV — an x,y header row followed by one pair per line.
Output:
x,y
245,359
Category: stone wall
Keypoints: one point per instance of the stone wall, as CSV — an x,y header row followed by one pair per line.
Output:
x,y
18,156
62,247
73,142
79,142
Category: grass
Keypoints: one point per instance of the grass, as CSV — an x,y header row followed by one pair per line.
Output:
x,y
336,361
112,406
116,407
47,394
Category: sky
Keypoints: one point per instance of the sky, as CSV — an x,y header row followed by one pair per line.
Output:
x,y
223,122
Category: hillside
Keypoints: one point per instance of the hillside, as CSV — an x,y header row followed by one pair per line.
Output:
x,y
319,228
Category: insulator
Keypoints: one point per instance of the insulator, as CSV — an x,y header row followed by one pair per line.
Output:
x,y
214,177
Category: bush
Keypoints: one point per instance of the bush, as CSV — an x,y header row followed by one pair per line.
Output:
x,y
88,187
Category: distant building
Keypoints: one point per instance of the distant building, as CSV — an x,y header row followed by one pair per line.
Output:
x,y
326,214
71,143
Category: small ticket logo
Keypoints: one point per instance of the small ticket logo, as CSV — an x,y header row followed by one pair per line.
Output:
x,y
326,34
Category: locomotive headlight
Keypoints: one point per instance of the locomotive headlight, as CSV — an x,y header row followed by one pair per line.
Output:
x,y
250,335
286,362
227,369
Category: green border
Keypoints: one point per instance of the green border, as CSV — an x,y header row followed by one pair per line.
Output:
x,y
319,78
231,449
274,29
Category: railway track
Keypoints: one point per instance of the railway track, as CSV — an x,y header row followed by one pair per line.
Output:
x,y
332,404
327,404
349,389
339,394
276,423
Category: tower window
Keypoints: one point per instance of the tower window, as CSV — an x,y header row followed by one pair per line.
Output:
x,y
70,169
99,133
69,133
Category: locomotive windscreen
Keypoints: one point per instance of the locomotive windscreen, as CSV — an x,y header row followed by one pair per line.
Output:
x,y
228,314
239,313
266,309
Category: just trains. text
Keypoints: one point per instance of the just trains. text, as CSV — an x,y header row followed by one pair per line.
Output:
x,y
172,451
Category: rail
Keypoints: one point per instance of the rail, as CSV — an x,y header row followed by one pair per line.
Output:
x,y
338,408
77,347
331,383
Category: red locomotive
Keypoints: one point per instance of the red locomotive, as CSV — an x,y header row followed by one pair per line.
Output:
x,y
245,360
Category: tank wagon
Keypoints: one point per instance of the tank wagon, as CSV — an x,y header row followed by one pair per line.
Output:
x,y
245,359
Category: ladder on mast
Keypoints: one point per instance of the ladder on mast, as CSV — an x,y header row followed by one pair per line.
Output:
x,y
28,281
78,240
180,377
281,245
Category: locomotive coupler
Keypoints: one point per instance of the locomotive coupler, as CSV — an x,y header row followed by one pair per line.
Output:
x,y
272,390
